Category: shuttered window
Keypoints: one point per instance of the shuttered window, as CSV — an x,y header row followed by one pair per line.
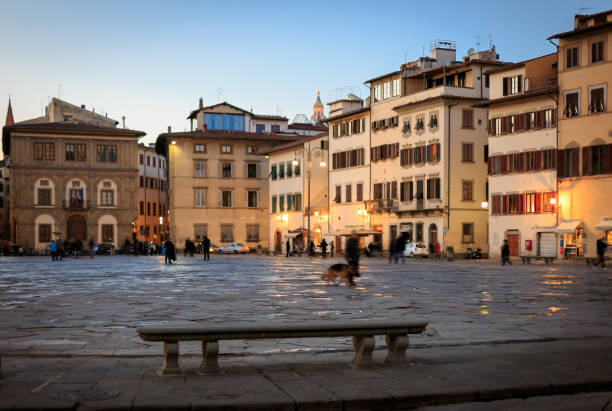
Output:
x,y
468,118
571,57
359,192
572,106
596,100
349,194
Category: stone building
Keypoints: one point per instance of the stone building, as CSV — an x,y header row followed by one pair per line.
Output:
x,y
217,178
584,157
74,176
152,222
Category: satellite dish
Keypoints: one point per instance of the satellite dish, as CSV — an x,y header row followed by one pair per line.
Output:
x,y
470,51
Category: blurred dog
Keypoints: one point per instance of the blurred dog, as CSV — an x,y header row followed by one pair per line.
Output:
x,y
338,272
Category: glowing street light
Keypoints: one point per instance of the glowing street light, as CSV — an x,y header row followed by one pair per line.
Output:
x,y
484,204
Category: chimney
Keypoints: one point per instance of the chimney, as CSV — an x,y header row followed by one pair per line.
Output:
x,y
169,129
83,106
123,118
201,102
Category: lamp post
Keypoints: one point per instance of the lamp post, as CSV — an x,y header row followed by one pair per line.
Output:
x,y
309,153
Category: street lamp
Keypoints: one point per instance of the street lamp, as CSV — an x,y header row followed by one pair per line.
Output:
x,y
484,204
309,152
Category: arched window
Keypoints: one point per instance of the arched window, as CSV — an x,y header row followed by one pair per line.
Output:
x,y
76,194
44,193
107,194
44,229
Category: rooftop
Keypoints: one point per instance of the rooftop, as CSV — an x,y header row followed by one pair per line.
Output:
x,y
293,144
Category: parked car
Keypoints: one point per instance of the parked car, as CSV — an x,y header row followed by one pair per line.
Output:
x,y
413,250
233,249
104,248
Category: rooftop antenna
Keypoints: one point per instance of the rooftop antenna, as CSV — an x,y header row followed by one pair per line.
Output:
x,y
477,43
423,52
490,41
59,90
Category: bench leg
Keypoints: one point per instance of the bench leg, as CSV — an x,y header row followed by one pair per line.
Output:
x,y
397,345
170,366
210,358
364,345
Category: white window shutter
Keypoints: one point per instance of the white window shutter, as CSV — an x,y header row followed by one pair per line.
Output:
x,y
246,170
233,168
259,199
219,170
219,198
204,168
245,198
232,199
258,175
203,198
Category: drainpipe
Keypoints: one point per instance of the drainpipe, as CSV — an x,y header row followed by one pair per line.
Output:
x,y
449,166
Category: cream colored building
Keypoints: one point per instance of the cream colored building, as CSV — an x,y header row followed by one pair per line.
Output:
x,y
298,169
217,178
584,164
74,179
423,166
522,157
152,222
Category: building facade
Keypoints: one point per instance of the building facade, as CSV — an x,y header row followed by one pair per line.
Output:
x,y
584,163
424,153
299,204
152,222
217,178
522,157
71,179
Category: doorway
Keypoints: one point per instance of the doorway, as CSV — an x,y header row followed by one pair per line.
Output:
x,y
433,234
513,243
76,228
277,242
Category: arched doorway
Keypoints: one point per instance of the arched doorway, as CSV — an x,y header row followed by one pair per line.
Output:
x,y
277,242
76,228
433,234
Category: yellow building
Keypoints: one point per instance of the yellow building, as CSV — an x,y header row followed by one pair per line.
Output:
x,y
585,134
152,222
217,178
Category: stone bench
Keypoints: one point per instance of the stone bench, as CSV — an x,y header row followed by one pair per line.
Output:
x,y
363,332
526,259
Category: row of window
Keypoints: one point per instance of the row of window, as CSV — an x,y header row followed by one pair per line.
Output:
x,y
572,54
388,88
294,202
385,122
420,155
226,198
45,231
518,123
597,101
153,183
261,128
227,232
151,159
523,162
348,197
419,123
350,158
450,80
384,152
75,152
596,160
75,195
227,169
280,171
523,203
223,149
152,208
347,128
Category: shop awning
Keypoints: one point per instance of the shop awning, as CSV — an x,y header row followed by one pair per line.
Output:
x,y
360,232
568,226
604,224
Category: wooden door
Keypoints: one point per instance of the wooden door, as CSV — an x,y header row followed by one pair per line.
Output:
x,y
76,228
513,243
277,242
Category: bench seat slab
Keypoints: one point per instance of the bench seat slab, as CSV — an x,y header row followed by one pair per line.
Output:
x,y
364,345
210,358
171,365
397,346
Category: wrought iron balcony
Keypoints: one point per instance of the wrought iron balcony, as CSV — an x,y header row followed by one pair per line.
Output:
x,y
76,205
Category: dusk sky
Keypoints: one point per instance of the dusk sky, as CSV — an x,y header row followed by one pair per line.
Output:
x,y
151,61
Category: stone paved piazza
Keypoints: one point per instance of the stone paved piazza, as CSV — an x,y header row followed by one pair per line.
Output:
x,y
92,306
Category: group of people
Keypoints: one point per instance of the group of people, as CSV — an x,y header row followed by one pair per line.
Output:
x,y
312,247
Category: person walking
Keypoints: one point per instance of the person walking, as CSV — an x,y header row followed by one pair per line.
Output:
x,y
60,249
601,251
400,246
352,256
324,248
288,246
505,253
311,249
206,248
170,252
392,250
53,250
437,249
331,249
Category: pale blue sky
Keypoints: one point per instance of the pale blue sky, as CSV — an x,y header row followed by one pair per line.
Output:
x,y
152,60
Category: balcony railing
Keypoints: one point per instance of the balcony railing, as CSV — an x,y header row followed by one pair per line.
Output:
x,y
379,205
76,206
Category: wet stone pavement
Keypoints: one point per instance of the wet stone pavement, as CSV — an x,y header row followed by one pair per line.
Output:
x,y
93,306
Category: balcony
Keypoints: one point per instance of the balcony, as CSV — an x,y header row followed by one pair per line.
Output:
x,y
76,206
379,205
419,207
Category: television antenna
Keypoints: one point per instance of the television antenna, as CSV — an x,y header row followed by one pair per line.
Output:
x,y
490,41
477,43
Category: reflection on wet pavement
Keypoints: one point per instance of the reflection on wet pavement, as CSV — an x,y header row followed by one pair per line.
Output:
x,y
78,301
